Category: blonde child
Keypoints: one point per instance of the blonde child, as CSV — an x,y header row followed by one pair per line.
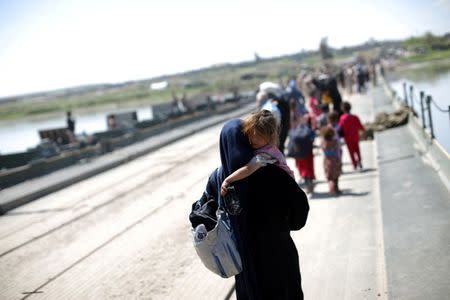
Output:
x,y
261,128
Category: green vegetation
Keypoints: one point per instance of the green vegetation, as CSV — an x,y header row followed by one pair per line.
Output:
x,y
427,56
427,42
425,48
424,71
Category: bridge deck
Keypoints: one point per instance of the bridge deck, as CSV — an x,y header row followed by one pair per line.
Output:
x,y
124,233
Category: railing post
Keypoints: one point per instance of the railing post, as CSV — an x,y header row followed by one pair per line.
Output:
x,y
429,116
405,94
411,97
422,110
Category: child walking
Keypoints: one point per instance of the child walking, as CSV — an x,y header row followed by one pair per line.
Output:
x,y
261,128
351,129
300,147
332,158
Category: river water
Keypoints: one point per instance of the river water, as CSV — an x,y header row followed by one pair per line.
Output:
x,y
434,80
18,136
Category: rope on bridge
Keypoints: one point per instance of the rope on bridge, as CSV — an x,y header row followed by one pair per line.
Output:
x,y
438,108
416,100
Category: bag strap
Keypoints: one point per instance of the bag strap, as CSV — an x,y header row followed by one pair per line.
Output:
x,y
219,182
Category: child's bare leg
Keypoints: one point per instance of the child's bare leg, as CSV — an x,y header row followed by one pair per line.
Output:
x,y
332,187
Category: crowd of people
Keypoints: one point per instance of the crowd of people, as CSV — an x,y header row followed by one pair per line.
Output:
x,y
272,203
320,120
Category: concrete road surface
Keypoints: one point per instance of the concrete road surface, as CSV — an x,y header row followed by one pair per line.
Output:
x,y
125,234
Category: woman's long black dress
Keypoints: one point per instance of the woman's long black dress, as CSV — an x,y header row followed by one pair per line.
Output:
x,y
273,205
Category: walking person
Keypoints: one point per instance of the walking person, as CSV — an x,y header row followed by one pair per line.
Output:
x,y
300,147
70,122
351,128
322,119
314,109
261,128
331,158
330,92
70,127
284,107
333,122
275,92
361,78
272,205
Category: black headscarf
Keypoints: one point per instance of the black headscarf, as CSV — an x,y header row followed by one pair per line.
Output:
x,y
235,149
235,152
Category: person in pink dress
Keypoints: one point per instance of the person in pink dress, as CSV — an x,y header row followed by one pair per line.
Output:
x,y
351,128
314,109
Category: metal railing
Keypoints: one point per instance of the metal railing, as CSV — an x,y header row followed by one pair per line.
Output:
x,y
425,105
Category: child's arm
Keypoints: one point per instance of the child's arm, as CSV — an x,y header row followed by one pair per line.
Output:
x,y
359,124
239,174
361,129
244,172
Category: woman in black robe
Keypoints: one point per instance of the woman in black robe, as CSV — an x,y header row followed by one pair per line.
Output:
x,y
273,205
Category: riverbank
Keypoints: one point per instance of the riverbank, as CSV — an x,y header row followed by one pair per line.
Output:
x,y
75,169
427,57
419,70
216,81
80,111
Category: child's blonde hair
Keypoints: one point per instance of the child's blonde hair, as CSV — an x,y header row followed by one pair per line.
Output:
x,y
262,123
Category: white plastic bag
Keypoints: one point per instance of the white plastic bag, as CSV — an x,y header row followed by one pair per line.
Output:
x,y
217,249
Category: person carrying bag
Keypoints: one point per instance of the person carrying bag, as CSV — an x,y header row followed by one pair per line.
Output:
x,y
213,236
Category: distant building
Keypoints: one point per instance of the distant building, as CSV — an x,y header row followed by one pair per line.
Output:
x,y
161,85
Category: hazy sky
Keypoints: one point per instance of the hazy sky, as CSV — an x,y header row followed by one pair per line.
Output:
x,y
53,44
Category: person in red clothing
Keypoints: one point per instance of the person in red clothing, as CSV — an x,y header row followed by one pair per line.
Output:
x,y
351,128
300,147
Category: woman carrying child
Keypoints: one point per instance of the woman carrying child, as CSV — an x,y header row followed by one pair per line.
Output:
x,y
272,205
261,128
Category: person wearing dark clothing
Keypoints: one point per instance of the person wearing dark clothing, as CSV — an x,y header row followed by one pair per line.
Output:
x,y
361,78
292,92
272,205
335,95
285,110
329,84
341,78
70,122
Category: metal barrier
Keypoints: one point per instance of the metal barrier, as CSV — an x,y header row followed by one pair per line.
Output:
x,y
425,105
